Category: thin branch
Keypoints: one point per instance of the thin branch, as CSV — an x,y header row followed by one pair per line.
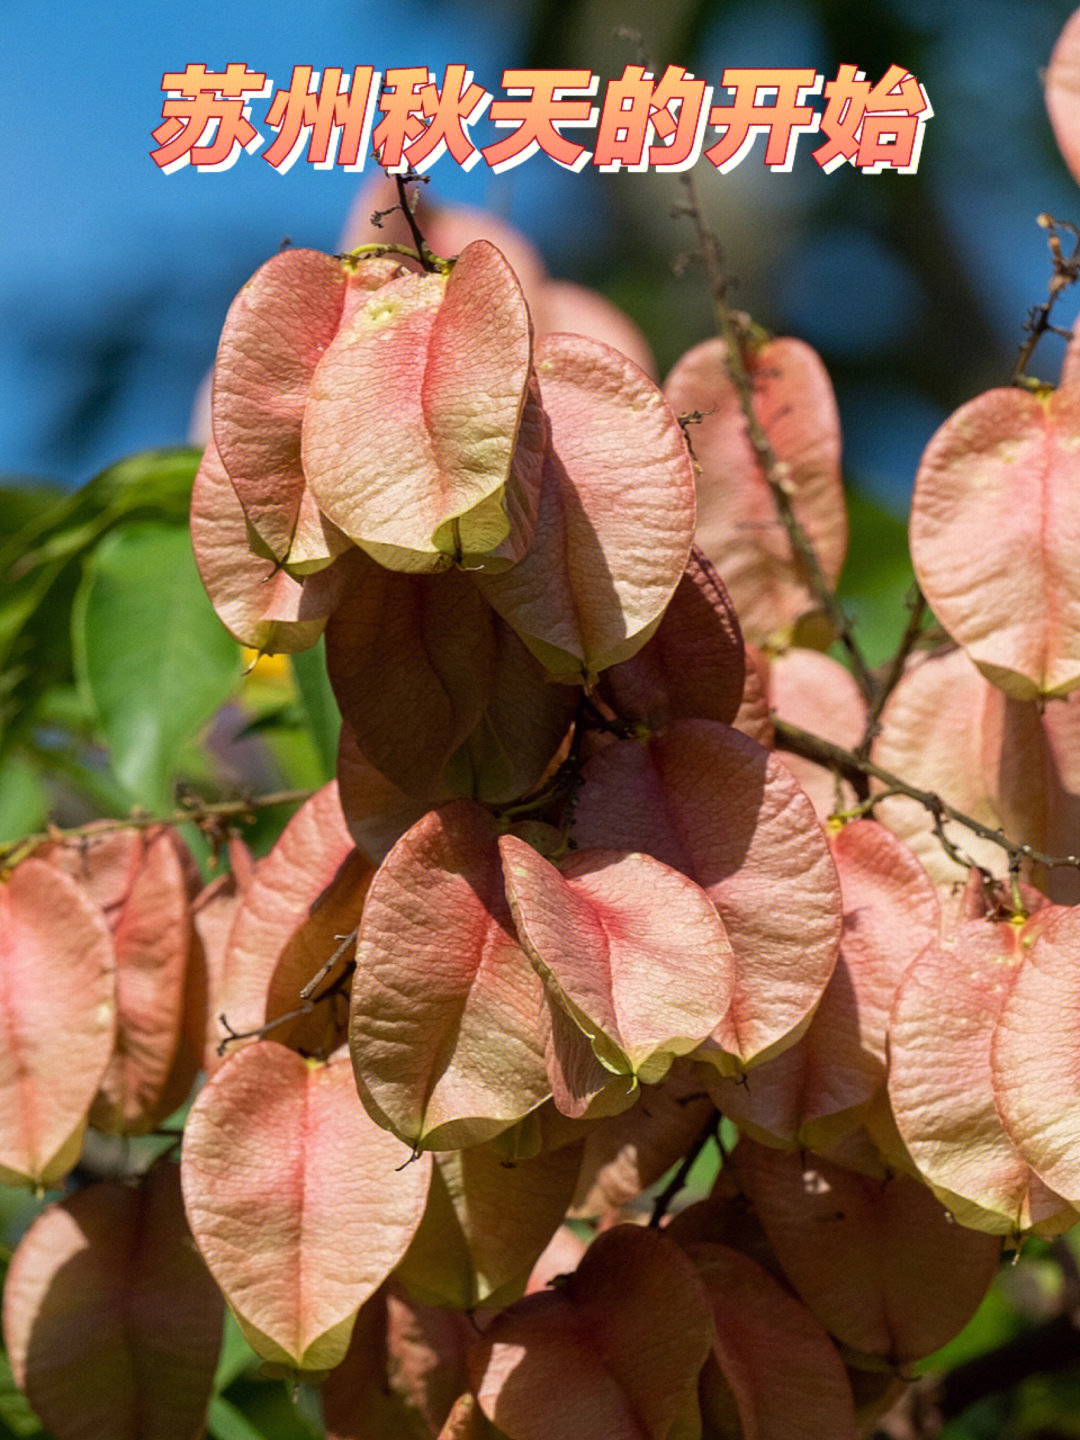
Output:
x,y
1066,271
678,1181
774,471
427,256
347,941
851,765
308,997
209,816
916,603
557,795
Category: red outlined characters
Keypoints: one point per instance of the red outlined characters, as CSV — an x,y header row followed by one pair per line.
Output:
x,y
770,102
541,106
423,121
333,118
671,112
407,120
204,103
876,127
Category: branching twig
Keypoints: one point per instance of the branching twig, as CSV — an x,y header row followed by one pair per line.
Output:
x,y
1066,273
851,764
339,954
678,1180
308,997
916,603
805,554
420,250
424,250
209,816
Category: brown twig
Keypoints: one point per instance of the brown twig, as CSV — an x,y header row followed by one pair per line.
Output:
x,y
1066,271
308,997
774,472
424,250
678,1180
209,816
851,765
888,681
347,941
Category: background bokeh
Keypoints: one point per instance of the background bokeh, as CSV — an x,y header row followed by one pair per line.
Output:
x,y
115,278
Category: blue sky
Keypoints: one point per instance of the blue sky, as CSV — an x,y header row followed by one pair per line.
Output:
x,y
115,278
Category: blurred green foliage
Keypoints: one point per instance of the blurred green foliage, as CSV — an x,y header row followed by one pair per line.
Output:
x,y
118,684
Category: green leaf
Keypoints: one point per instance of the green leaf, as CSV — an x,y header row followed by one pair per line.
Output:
x,y
152,482
24,598
58,527
309,667
15,1411
876,577
236,1355
24,503
226,1422
150,651
24,801
35,649
43,535
261,1411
